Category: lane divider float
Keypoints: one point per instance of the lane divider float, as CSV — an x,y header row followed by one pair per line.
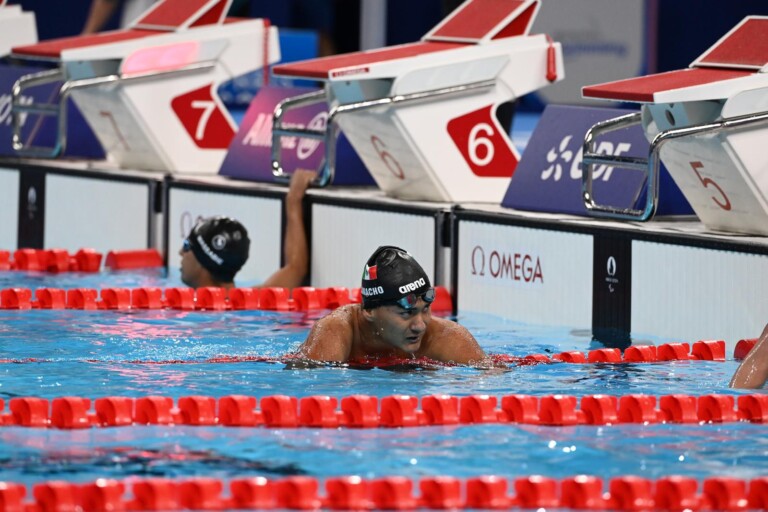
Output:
x,y
205,298
365,411
580,492
84,260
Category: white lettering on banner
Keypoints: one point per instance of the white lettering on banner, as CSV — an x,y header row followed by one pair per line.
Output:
x,y
6,103
561,156
506,265
412,287
260,134
374,290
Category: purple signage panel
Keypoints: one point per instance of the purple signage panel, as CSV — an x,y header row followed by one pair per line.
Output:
x,y
250,153
41,131
548,177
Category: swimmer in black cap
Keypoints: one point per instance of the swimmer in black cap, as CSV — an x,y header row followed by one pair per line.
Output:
x,y
217,247
215,250
394,320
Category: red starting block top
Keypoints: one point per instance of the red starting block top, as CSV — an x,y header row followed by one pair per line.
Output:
x,y
745,46
52,48
644,88
355,63
740,53
484,19
172,14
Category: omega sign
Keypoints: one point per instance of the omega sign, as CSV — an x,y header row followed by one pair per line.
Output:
x,y
510,266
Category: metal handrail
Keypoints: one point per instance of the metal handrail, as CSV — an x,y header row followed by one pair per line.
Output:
x,y
649,165
18,110
330,133
278,131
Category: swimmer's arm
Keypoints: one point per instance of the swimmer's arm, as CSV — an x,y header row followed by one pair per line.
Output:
x,y
295,252
454,343
99,14
329,340
752,373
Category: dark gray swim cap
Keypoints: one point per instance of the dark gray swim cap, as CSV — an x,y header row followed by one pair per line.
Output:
x,y
221,245
389,275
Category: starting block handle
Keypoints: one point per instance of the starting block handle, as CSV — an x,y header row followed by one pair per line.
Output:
x,y
651,165
590,159
60,110
20,110
279,131
330,133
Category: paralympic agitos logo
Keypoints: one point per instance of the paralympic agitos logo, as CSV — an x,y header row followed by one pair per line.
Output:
x,y
515,266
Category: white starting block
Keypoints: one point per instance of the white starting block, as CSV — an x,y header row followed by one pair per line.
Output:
x,y
708,124
150,92
422,115
16,27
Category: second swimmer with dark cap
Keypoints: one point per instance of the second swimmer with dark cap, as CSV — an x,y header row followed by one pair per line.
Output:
x,y
394,320
217,247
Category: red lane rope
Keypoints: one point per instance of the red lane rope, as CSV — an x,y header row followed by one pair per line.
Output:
x,y
188,299
701,351
364,411
84,260
581,492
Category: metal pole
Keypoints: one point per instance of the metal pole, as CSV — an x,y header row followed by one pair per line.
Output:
x,y
373,24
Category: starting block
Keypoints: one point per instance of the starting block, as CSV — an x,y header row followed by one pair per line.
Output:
x,y
708,124
422,116
150,92
16,27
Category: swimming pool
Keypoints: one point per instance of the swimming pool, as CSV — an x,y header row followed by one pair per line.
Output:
x,y
138,353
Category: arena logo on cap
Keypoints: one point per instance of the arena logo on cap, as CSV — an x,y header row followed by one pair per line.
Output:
x,y
412,287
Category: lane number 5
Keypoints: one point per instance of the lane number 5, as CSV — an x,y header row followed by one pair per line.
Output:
x,y
720,198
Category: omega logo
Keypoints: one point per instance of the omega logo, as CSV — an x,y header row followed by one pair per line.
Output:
x,y
506,265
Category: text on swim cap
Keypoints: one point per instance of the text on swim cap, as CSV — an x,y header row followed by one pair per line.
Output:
x,y
412,287
373,290
207,250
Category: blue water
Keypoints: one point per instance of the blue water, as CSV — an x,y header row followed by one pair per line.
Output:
x,y
138,353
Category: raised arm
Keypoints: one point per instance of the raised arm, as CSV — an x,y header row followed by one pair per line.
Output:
x,y
331,337
752,373
99,14
295,251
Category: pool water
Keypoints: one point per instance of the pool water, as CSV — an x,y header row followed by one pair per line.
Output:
x,y
95,354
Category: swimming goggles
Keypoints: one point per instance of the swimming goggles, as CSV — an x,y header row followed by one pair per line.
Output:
x,y
410,300
186,246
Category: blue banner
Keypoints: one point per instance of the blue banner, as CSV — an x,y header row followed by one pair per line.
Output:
x,y
548,177
250,153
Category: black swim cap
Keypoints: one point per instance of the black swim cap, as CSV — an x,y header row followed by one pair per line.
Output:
x,y
389,275
221,245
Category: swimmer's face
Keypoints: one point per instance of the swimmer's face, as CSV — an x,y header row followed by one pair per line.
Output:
x,y
402,328
191,269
